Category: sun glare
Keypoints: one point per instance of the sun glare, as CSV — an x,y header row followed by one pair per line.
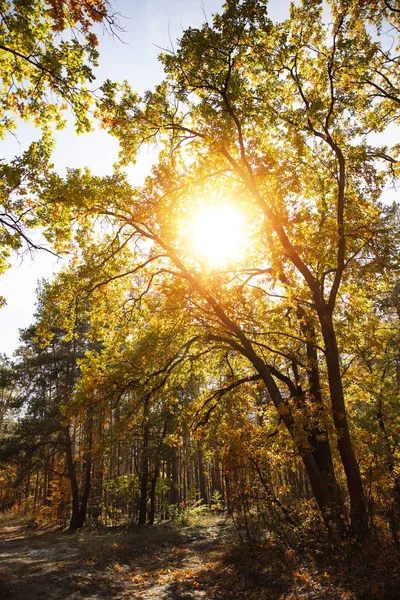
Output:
x,y
218,234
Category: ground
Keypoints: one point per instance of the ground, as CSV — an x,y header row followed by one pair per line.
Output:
x,y
143,562
165,563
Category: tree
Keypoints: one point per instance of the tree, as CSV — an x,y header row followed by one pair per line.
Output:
x,y
276,116
47,53
279,109
46,437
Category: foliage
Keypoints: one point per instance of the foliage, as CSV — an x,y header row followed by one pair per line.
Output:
x,y
187,513
268,385
47,54
269,114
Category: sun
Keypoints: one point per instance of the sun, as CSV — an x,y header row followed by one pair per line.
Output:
x,y
218,234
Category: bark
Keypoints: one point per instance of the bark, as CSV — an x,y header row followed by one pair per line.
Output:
x,y
74,522
202,477
318,481
318,485
143,499
144,475
79,502
394,510
358,509
152,510
35,497
318,436
87,478
174,486
156,474
321,492
97,473
216,485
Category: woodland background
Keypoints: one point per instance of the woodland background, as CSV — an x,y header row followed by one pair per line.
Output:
x,y
155,386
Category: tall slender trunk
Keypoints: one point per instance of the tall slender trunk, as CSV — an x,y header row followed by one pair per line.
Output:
x,y
144,474
79,502
153,485
390,461
35,497
97,472
358,509
202,477
143,498
216,474
318,435
85,492
74,522
174,484
87,470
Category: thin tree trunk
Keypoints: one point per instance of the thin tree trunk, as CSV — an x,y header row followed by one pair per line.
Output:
x,y
202,477
87,473
144,475
358,509
394,510
174,485
74,522
318,436
154,479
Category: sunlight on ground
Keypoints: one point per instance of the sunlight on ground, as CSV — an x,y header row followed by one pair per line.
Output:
x,y
218,234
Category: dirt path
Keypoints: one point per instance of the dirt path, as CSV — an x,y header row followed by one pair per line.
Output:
x,y
194,563
157,563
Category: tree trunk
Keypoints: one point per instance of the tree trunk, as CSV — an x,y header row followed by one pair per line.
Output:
x,y
79,505
87,476
154,479
74,522
318,436
202,477
394,510
321,492
143,498
144,475
358,509
174,485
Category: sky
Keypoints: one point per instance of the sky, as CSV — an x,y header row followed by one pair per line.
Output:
x,y
148,26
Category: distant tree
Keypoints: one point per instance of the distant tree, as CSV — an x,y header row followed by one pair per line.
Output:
x,y
45,438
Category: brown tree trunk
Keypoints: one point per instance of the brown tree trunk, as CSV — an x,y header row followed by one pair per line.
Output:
x,y
74,522
202,477
394,510
87,470
174,485
144,474
318,436
154,479
79,503
318,484
143,498
358,509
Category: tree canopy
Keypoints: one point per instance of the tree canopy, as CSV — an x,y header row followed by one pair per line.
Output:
x,y
47,54
281,358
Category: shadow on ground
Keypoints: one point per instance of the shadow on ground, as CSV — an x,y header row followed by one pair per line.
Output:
x,y
194,563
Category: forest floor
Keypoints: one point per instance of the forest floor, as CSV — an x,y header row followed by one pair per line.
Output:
x,y
166,563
